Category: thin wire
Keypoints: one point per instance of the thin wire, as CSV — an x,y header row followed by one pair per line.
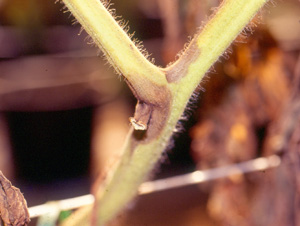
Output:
x,y
61,205
195,177
199,176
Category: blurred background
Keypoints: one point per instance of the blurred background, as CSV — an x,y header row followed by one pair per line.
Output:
x,y
64,113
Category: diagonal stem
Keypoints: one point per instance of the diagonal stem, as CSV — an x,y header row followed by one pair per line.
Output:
x,y
119,49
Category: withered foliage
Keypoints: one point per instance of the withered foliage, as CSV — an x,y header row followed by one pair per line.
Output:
x,y
252,109
13,206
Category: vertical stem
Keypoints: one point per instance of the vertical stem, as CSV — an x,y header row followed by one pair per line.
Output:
x,y
140,156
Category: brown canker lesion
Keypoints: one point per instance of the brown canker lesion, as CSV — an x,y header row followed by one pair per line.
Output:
x,y
153,106
142,116
151,111
150,118
179,68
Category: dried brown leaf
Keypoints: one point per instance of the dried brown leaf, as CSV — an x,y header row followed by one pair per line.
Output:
x,y
13,206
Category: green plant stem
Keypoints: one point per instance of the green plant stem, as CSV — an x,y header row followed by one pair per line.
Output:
x,y
180,80
121,52
228,21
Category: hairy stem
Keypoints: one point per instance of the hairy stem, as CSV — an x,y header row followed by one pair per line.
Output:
x,y
114,42
207,46
162,93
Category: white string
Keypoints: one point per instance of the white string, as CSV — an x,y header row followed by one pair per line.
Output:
x,y
201,176
61,205
195,177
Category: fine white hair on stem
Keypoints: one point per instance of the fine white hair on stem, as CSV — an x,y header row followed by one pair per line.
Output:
x,y
126,28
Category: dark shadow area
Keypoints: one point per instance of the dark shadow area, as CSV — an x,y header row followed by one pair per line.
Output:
x,y
50,146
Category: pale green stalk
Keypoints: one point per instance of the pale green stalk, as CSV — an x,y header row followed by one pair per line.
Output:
x,y
114,42
180,80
